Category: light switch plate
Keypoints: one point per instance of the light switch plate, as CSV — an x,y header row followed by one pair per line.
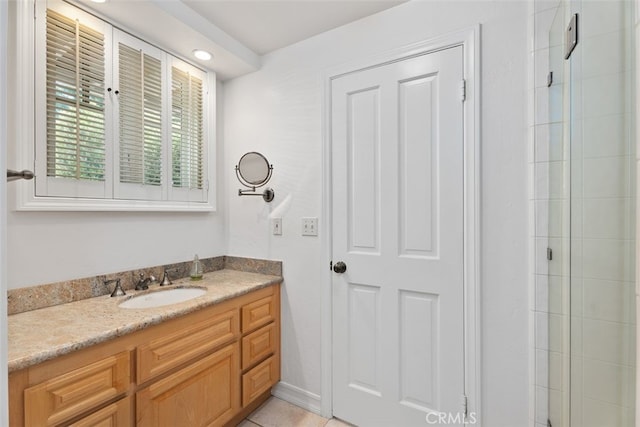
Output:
x,y
276,226
309,226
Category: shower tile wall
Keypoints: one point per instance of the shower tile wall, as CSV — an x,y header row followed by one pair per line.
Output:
x,y
593,236
603,218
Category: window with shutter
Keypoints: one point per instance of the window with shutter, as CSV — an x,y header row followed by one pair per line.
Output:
x,y
75,107
188,166
139,83
119,124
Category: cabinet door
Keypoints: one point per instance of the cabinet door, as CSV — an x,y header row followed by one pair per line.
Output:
x,y
258,345
176,348
259,379
118,414
206,393
258,313
66,396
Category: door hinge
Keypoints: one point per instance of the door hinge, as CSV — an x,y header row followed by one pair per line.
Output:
x,y
465,406
549,254
463,90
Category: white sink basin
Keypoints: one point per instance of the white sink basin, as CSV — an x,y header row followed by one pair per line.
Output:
x,y
163,297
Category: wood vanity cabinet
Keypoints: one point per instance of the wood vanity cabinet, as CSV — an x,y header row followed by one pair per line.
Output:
x,y
208,368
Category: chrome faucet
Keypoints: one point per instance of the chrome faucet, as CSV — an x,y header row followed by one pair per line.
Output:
x,y
143,283
117,291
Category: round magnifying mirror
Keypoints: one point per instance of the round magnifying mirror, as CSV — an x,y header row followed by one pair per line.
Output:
x,y
254,169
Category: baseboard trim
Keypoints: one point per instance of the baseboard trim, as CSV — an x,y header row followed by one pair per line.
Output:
x,y
297,396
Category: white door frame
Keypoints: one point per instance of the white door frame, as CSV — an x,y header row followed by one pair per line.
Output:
x,y
469,39
4,394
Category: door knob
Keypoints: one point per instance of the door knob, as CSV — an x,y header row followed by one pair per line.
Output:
x,y
340,267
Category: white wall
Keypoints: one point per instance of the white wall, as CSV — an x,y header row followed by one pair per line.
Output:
x,y
277,110
48,247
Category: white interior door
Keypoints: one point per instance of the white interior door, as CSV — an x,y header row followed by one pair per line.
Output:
x,y
397,165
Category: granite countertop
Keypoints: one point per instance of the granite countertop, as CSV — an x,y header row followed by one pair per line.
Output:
x,y
43,334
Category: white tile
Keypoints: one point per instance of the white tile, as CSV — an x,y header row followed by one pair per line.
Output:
x,y
557,64
549,180
576,398
548,141
598,414
606,177
541,142
608,382
541,187
542,212
605,54
548,104
555,371
549,216
247,423
541,67
556,399
556,294
605,95
556,332
542,330
542,405
608,218
576,300
540,5
543,22
608,260
608,341
542,368
599,17
542,293
576,339
607,136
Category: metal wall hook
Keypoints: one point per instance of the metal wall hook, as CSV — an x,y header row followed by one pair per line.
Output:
x,y
13,175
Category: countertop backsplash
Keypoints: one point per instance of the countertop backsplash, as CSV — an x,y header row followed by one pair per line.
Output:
x,y
47,295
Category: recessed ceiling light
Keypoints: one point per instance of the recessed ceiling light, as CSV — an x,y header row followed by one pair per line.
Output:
x,y
99,1
202,54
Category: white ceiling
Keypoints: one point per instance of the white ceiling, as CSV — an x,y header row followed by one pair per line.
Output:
x,y
237,32
266,25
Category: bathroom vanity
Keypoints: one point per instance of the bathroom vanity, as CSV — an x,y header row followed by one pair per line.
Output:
x,y
208,361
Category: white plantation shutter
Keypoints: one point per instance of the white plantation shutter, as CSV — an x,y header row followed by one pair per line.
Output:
x,y
119,124
188,163
140,114
75,107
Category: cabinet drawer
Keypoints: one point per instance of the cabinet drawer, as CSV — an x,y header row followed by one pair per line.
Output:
x,y
258,313
259,379
117,414
204,393
162,354
258,345
70,394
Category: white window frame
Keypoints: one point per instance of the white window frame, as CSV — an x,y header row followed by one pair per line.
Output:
x,y
29,87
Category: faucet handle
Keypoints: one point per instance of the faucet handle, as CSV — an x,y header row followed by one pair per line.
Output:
x,y
117,291
165,279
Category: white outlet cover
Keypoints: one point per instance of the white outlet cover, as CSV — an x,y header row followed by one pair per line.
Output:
x,y
310,226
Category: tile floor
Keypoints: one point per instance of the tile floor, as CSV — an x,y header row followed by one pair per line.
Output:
x,y
278,413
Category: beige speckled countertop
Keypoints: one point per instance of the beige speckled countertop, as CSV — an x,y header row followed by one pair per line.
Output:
x,y
39,335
